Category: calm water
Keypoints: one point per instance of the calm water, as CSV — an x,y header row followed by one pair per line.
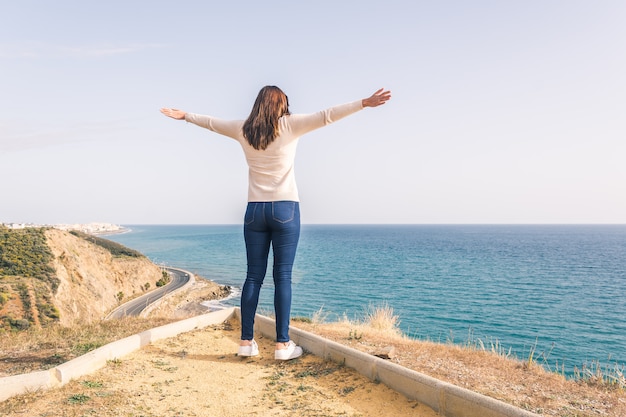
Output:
x,y
557,290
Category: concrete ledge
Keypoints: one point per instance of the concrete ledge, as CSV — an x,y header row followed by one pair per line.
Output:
x,y
96,359
446,399
22,384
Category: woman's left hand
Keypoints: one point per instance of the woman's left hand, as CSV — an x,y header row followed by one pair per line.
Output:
x,y
174,113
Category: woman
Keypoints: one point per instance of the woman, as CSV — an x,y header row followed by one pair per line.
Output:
x,y
269,137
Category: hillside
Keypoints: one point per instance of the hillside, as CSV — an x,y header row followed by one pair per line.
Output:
x,y
54,276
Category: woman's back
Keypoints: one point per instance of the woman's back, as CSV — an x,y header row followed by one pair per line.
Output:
x,y
271,174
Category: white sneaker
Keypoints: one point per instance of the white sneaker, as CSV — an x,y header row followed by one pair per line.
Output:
x,y
291,352
251,350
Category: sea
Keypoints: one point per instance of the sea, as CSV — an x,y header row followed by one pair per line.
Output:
x,y
553,293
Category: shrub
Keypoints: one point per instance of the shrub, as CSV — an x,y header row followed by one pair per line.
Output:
x,y
115,248
165,278
49,311
25,252
19,324
382,318
4,297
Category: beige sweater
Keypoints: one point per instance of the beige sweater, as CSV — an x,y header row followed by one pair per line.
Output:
x,y
271,171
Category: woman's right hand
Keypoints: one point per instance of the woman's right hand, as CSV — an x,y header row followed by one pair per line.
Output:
x,y
174,113
379,98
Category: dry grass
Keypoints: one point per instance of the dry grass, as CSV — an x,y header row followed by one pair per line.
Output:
x,y
197,374
486,368
481,367
40,348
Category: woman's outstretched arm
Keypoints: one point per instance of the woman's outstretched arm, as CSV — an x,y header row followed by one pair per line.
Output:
x,y
174,113
230,128
379,98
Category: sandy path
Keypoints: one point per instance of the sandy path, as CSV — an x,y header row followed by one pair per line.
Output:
x,y
198,374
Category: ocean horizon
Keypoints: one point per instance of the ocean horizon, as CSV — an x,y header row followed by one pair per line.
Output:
x,y
555,292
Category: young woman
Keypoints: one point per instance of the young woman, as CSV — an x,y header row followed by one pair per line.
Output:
x,y
269,137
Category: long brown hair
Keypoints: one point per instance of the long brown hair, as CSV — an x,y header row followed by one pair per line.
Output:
x,y
261,127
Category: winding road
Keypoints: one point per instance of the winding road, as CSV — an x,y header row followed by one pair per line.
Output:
x,y
178,278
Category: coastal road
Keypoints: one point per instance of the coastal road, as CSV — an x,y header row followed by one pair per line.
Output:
x,y
178,278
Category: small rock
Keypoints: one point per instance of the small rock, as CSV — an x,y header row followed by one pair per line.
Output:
x,y
388,352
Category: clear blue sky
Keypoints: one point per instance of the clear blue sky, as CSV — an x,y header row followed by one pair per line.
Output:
x,y
502,111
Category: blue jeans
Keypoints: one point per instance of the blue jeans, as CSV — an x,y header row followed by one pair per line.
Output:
x,y
277,224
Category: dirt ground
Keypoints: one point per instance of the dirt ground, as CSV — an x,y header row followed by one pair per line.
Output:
x,y
198,374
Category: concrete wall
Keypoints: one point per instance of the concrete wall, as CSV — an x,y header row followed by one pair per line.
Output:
x,y
98,358
447,399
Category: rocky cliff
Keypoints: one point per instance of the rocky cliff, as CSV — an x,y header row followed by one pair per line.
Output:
x,y
49,275
92,280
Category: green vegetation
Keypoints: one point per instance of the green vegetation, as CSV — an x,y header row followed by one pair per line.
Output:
x,y
24,302
92,384
28,280
165,278
115,248
27,277
22,290
4,296
17,324
47,310
24,252
78,399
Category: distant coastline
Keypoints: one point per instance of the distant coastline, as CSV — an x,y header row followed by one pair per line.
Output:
x,y
90,228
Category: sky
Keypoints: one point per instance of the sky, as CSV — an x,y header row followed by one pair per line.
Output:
x,y
503,112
